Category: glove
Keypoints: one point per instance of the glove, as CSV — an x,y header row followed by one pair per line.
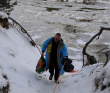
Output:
x,y
64,60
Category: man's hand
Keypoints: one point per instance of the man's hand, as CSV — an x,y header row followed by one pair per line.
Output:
x,y
42,54
64,60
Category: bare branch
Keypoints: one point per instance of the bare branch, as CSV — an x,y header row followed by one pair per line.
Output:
x,y
86,45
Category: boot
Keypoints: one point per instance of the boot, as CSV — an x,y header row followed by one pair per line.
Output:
x,y
57,80
50,77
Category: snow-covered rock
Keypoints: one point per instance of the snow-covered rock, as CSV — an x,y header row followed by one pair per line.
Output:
x,y
3,15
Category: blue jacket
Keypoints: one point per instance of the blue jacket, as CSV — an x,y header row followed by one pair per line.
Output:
x,y
61,53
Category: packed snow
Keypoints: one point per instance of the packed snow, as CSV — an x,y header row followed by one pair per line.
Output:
x,y
18,58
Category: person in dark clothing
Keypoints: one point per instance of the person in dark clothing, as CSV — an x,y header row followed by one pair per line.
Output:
x,y
56,51
53,62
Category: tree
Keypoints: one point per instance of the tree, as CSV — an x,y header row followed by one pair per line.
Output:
x,y
86,45
5,4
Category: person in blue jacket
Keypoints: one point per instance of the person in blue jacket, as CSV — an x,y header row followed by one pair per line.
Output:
x,y
56,51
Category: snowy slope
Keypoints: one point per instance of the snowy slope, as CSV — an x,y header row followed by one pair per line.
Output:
x,y
18,60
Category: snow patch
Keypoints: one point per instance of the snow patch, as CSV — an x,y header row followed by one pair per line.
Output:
x,y
3,15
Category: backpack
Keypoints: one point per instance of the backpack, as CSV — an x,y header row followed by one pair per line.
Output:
x,y
40,67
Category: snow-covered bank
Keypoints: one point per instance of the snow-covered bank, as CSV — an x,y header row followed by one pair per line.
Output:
x,y
91,79
18,60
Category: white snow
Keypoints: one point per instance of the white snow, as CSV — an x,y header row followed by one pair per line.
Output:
x,y
3,82
18,58
3,15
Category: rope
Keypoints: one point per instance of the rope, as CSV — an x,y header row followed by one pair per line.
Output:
x,y
58,78
24,31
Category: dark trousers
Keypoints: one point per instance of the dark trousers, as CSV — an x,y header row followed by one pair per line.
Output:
x,y
54,65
